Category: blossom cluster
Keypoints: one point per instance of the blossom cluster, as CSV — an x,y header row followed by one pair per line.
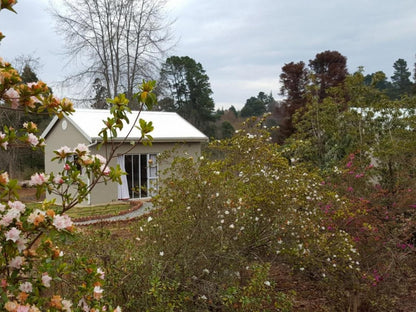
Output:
x,y
33,261
28,234
76,163
21,226
32,266
31,97
83,156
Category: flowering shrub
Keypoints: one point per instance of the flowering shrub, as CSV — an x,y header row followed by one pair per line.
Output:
x,y
35,274
227,215
218,217
258,294
365,150
382,234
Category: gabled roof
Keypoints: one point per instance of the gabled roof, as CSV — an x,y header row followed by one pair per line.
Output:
x,y
168,127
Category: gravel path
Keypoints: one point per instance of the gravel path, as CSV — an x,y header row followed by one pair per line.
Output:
x,y
145,208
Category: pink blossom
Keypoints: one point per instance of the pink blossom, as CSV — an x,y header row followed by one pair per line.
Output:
x,y
26,287
38,179
100,158
32,139
13,234
6,220
21,244
32,217
34,99
105,170
67,167
83,304
22,308
349,164
101,273
46,280
350,189
64,151
30,126
62,222
5,143
16,262
86,160
13,96
58,179
9,217
82,149
18,205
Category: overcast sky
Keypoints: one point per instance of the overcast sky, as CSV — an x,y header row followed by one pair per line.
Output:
x,y
243,44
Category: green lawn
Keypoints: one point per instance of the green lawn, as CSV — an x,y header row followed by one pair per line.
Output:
x,y
88,211
113,209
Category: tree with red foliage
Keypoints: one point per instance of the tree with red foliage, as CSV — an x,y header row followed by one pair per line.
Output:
x,y
329,69
294,80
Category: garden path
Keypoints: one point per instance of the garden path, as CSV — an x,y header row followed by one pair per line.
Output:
x,y
145,208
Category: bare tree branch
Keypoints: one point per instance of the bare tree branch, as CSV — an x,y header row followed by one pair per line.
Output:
x,y
121,42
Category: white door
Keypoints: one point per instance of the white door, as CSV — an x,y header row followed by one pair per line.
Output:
x,y
152,185
142,175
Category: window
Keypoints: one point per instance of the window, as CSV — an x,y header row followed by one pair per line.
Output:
x,y
142,174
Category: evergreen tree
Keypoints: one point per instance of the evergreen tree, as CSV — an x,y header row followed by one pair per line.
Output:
x,y
256,106
227,130
187,91
401,84
378,80
232,109
28,75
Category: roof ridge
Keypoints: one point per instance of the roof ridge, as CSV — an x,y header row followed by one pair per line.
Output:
x,y
168,126
133,111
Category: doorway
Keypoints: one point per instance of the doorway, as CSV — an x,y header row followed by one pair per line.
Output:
x,y
142,174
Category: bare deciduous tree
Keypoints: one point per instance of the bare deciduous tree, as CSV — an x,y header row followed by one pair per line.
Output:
x,y
120,42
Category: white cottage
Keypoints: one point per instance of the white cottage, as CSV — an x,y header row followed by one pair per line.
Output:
x,y
140,163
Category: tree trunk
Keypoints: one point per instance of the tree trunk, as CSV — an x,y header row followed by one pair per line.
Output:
x,y
12,163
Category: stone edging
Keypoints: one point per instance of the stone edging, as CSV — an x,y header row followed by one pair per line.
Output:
x,y
137,206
